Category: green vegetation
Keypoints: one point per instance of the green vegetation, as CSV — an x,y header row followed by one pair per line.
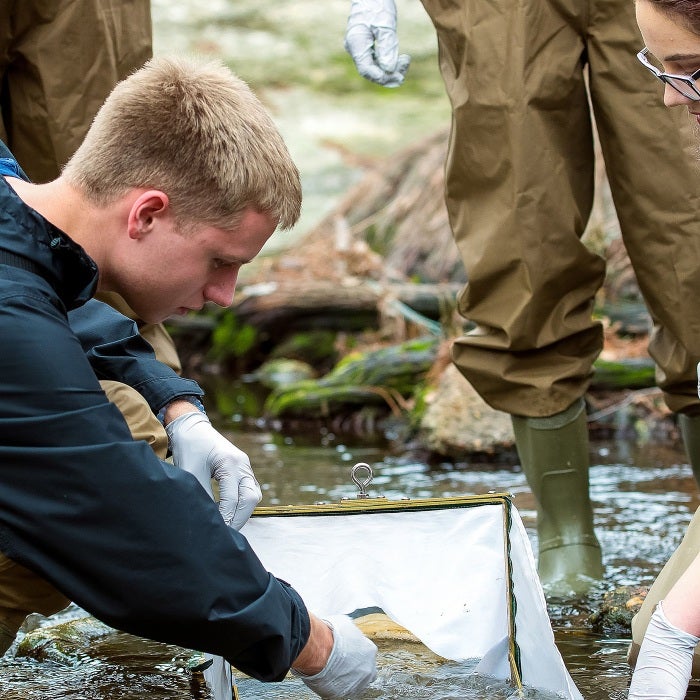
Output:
x,y
384,377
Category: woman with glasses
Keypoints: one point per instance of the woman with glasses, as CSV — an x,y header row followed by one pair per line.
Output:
x,y
671,31
672,28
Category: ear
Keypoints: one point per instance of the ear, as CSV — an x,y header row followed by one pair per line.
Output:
x,y
146,209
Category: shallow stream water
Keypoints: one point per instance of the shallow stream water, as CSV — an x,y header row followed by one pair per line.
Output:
x,y
643,494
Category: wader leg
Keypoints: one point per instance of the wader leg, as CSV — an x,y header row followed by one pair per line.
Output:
x,y
23,592
554,456
7,637
690,431
680,560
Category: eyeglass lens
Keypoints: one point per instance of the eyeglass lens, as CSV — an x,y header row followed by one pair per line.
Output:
x,y
686,86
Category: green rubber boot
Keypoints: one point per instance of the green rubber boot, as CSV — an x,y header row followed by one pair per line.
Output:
x,y
554,456
690,431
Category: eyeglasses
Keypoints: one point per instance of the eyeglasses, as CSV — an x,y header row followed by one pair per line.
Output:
x,y
685,84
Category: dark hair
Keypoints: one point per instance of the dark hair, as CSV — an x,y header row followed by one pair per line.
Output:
x,y
687,10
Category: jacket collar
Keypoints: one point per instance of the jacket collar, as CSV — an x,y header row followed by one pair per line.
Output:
x,y
24,232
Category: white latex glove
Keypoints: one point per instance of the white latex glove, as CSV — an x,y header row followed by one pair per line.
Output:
x,y
664,663
201,450
371,40
350,668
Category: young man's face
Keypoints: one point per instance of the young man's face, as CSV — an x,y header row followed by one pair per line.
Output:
x,y
172,273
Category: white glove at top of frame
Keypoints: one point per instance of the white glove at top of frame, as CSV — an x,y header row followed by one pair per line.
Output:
x,y
372,41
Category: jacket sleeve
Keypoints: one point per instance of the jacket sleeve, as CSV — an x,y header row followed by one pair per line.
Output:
x,y
131,539
116,351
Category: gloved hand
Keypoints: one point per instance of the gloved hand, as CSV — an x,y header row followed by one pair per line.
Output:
x,y
664,663
201,450
371,40
350,668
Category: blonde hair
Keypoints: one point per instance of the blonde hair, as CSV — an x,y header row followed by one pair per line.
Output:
x,y
198,133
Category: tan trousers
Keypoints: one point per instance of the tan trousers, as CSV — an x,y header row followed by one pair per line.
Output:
x,y
519,191
672,571
59,59
144,425
23,592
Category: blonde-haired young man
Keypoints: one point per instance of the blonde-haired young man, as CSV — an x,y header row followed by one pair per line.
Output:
x,y
58,62
180,181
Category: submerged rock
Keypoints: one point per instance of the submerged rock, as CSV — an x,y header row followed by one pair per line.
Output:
x,y
457,422
65,643
617,609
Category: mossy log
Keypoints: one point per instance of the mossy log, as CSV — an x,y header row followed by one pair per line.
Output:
x,y
380,377
626,373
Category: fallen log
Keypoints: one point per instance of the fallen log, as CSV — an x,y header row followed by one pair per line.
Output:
x,y
625,373
306,306
356,306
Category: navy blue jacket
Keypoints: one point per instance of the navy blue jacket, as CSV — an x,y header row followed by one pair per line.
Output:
x,y
134,541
